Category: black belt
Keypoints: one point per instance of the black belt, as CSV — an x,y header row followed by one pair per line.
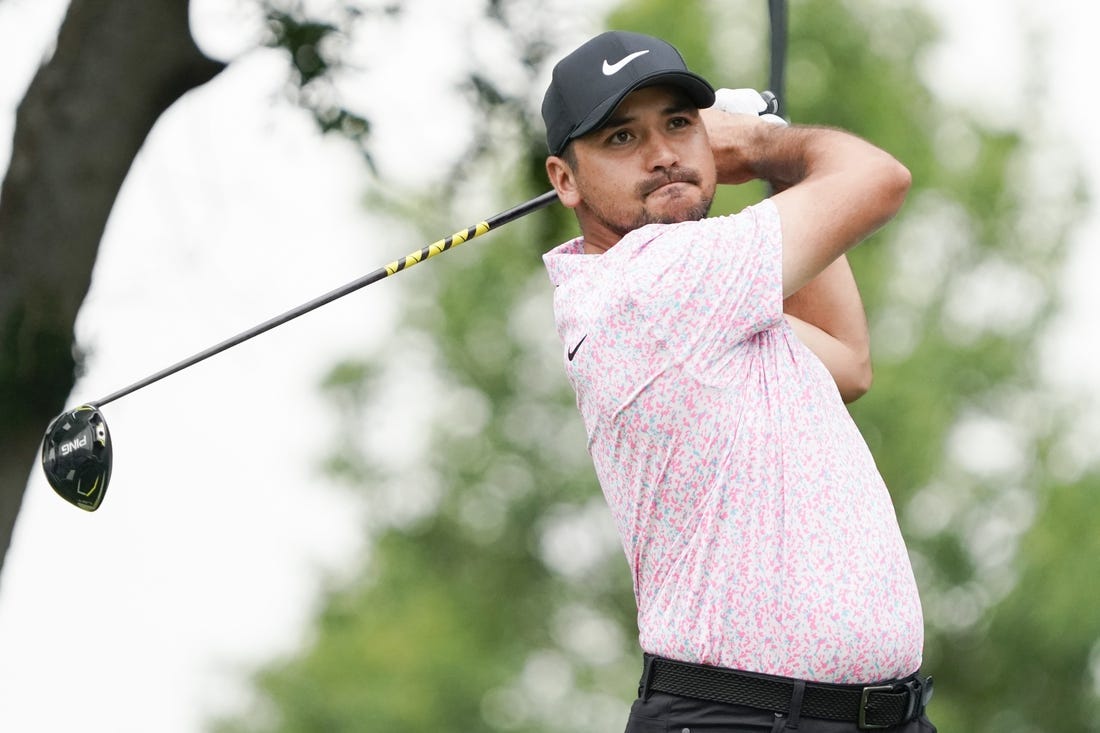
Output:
x,y
881,705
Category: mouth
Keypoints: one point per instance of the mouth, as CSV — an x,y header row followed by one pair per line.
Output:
x,y
670,183
670,186
670,190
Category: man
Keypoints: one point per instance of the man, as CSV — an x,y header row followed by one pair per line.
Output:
x,y
774,590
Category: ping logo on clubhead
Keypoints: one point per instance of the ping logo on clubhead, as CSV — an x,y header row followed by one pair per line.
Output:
x,y
68,447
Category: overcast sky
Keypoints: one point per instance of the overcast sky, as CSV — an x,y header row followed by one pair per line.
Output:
x,y
144,616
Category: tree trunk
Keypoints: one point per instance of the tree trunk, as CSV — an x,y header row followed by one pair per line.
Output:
x,y
117,66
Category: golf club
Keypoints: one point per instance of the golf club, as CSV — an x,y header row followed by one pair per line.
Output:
x,y
77,450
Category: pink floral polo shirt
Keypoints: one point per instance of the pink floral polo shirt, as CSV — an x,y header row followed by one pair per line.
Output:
x,y
759,532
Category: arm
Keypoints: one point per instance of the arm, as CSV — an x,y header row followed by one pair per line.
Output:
x,y
827,315
835,189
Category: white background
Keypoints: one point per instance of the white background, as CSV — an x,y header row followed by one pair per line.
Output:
x,y
207,555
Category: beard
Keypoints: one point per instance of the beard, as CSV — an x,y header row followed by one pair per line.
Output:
x,y
622,223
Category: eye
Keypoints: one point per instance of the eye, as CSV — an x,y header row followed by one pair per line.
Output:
x,y
619,137
677,123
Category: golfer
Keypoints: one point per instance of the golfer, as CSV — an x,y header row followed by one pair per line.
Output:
x,y
711,359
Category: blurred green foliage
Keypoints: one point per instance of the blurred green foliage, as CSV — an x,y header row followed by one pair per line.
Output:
x,y
314,47
494,596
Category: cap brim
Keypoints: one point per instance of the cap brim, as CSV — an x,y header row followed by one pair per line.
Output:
x,y
698,90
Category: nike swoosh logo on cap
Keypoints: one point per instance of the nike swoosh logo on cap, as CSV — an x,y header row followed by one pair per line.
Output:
x,y
612,69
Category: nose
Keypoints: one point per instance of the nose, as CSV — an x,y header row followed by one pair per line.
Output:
x,y
660,152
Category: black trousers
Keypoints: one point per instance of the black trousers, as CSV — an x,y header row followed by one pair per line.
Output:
x,y
663,713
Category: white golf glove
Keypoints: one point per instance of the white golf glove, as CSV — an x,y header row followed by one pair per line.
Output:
x,y
745,102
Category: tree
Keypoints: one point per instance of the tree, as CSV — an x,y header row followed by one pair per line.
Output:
x,y
494,596
117,66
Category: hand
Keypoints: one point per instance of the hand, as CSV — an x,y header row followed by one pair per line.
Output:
x,y
738,133
746,102
736,128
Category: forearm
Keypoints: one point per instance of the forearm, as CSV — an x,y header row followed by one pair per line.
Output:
x,y
827,315
833,188
747,149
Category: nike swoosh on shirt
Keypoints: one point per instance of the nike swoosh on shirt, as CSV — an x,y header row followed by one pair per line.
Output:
x,y
573,351
612,69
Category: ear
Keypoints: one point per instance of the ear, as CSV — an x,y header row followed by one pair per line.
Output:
x,y
564,181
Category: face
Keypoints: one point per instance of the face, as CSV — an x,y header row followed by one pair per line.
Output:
x,y
650,163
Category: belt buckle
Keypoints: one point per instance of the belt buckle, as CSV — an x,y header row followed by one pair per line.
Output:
x,y
862,723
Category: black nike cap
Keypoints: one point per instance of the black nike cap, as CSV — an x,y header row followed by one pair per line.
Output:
x,y
589,83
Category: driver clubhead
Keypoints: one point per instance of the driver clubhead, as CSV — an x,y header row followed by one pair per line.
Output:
x,y
76,456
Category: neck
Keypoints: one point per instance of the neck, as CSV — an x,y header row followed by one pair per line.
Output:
x,y
598,236
596,248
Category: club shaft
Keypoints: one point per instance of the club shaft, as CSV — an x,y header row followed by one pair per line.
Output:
x,y
777,12
381,273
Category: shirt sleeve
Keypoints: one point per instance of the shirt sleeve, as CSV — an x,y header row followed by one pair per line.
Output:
x,y
747,281
710,285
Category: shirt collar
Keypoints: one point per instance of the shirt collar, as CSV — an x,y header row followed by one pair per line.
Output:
x,y
565,260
